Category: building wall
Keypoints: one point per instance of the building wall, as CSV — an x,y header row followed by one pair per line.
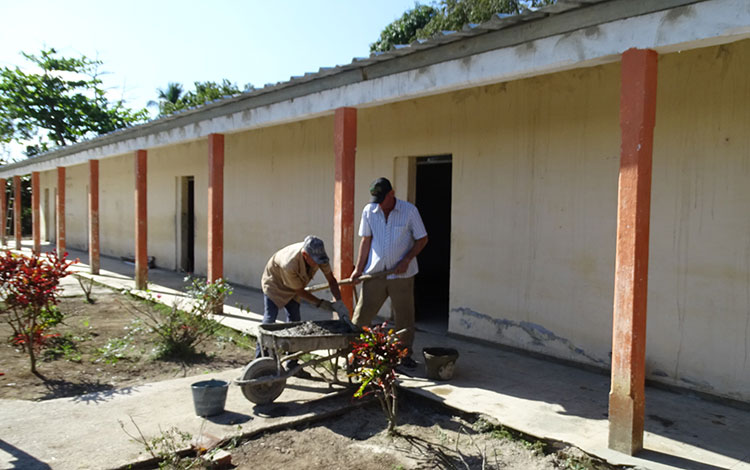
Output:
x,y
278,188
76,206
535,166
166,166
116,206
699,266
534,202
47,186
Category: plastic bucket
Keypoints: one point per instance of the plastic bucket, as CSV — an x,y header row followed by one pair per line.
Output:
x,y
440,362
209,397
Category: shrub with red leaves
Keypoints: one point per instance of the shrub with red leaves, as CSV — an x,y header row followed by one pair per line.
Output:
x,y
29,289
375,355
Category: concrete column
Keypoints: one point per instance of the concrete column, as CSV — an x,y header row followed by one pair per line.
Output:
x,y
141,221
345,147
60,209
3,209
637,118
17,210
36,226
94,261
215,268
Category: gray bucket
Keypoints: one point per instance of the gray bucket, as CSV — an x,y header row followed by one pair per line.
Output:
x,y
440,362
209,397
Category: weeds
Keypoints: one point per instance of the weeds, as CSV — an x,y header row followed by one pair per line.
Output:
x,y
87,285
114,350
172,448
62,347
179,330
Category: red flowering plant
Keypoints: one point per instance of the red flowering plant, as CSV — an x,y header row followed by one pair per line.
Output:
x,y
375,355
29,289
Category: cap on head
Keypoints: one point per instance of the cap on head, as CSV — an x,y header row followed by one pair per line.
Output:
x,y
314,247
379,189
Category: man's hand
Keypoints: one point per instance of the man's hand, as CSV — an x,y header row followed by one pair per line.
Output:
x,y
355,276
402,266
326,305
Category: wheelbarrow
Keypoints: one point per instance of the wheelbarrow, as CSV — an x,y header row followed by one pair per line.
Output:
x,y
263,379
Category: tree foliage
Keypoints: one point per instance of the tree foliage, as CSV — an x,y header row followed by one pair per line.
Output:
x,y
174,98
60,103
424,22
405,29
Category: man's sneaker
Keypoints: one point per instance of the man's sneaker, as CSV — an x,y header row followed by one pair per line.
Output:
x,y
408,363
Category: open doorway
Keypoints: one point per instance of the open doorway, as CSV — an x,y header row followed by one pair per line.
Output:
x,y
187,224
432,284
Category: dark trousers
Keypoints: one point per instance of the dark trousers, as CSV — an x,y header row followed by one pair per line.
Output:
x,y
270,312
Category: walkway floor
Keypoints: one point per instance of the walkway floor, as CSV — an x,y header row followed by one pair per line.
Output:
x,y
541,398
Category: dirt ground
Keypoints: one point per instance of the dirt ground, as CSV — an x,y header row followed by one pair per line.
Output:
x,y
101,347
429,436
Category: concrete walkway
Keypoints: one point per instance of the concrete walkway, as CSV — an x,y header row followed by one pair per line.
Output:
x,y
541,398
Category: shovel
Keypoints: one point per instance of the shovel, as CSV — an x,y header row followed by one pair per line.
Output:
x,y
346,282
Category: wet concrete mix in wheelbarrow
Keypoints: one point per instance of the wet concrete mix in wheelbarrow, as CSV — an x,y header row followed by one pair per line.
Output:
x,y
318,328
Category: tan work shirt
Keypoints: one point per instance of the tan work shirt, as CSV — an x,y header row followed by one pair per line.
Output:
x,y
286,272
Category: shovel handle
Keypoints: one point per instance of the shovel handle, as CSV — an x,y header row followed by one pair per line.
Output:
x,y
346,282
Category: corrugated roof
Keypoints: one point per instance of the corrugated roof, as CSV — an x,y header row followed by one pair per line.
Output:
x,y
400,53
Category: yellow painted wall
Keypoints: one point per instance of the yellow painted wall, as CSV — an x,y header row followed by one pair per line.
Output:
x,y
76,207
116,193
534,199
699,268
47,185
278,189
535,165
165,168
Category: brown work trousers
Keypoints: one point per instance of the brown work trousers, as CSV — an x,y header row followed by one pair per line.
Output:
x,y
373,294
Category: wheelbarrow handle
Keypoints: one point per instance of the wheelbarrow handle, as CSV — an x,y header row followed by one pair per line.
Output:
x,y
346,282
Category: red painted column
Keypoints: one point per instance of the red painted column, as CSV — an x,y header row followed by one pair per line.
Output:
x,y
141,221
17,210
345,147
94,262
3,209
637,117
60,209
215,268
36,227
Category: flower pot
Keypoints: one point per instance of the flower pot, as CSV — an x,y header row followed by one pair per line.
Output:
x,y
440,362
209,397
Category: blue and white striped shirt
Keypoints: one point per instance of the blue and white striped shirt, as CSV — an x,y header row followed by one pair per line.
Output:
x,y
391,239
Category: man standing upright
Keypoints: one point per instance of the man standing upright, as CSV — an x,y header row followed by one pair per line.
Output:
x,y
392,236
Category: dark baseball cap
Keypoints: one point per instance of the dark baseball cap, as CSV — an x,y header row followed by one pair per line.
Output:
x,y
379,189
314,247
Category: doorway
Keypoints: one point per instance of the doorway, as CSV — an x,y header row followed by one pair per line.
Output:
x,y
187,224
432,283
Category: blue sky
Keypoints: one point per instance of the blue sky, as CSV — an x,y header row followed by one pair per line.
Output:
x,y
146,44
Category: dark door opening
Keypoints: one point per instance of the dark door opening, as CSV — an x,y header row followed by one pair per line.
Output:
x,y
432,283
187,226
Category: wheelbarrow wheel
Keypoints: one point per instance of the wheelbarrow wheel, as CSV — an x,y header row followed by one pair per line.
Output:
x,y
262,393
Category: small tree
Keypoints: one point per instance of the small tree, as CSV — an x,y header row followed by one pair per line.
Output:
x,y
29,288
375,355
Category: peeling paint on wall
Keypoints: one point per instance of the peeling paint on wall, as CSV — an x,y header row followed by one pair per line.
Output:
x,y
526,335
